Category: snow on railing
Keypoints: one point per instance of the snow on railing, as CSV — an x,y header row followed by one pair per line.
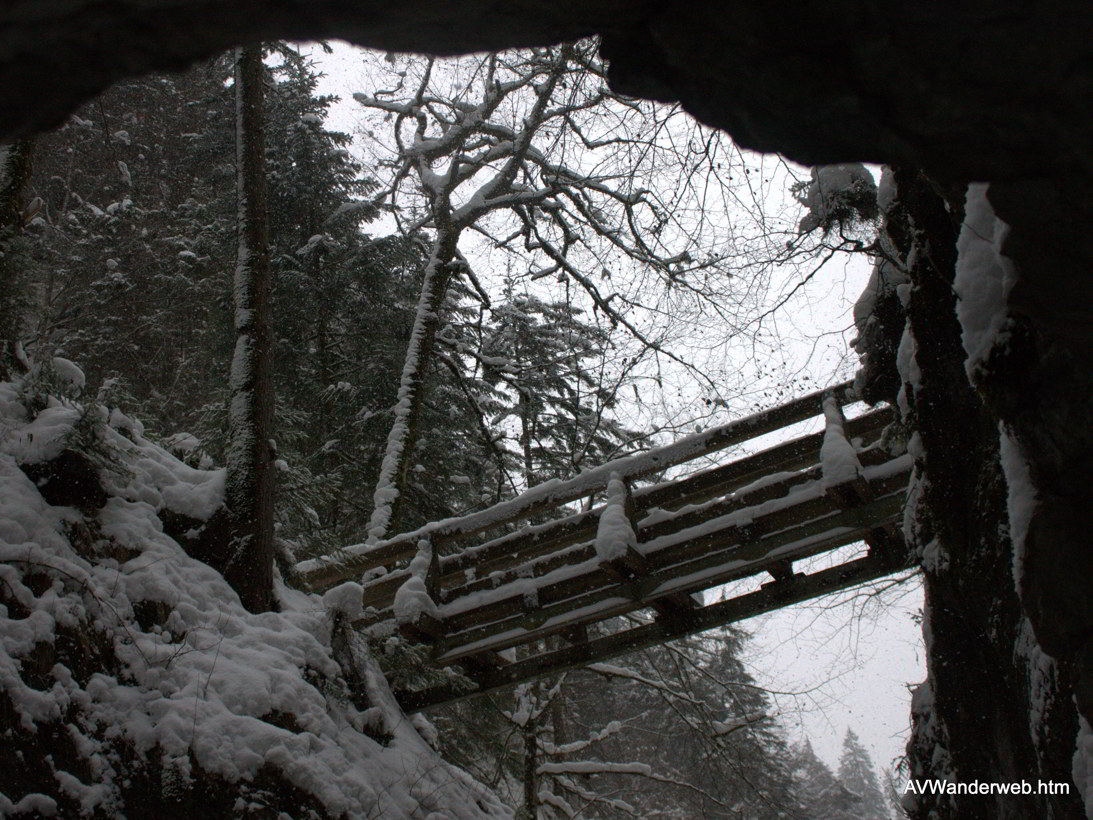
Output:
x,y
615,533
355,559
413,600
838,458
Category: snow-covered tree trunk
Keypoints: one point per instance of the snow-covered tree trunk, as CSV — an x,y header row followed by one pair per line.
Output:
x,y
15,166
248,564
391,484
472,161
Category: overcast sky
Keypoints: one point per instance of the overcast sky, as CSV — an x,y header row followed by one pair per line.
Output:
x,y
843,666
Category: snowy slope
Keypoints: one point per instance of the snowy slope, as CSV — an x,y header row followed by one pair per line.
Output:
x,y
132,681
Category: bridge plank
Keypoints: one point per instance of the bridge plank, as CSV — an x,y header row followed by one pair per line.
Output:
x,y
602,604
700,564
798,588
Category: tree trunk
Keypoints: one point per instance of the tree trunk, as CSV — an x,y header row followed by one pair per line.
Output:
x,y
531,758
525,414
248,562
389,496
15,167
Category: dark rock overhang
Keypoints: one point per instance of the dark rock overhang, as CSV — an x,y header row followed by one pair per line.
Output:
x,y
967,89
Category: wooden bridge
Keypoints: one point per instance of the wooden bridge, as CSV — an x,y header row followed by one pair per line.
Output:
x,y
540,572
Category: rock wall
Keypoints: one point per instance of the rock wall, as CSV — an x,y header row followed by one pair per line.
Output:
x,y
995,708
972,90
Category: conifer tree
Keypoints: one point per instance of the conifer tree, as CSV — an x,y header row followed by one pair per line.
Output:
x,y
856,774
133,248
679,731
133,241
553,364
820,795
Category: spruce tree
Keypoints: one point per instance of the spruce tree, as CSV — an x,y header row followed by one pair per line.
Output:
x,y
820,795
856,773
552,363
680,731
133,242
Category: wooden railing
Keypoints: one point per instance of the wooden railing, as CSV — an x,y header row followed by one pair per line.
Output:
x,y
358,558
641,548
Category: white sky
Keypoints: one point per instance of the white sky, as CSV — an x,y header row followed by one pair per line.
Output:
x,y
849,665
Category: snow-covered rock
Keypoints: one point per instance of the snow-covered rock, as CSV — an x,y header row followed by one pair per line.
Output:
x,y
984,278
134,683
837,194
68,374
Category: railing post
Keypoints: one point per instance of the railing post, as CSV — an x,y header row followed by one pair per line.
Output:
x,y
622,560
844,480
842,475
616,541
415,608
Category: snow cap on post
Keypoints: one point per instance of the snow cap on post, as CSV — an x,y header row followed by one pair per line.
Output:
x,y
838,458
347,599
615,535
412,601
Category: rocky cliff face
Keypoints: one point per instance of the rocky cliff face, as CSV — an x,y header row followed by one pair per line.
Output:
x,y
996,92
974,90
995,707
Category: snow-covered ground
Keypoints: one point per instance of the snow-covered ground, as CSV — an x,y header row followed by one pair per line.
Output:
x,y
180,675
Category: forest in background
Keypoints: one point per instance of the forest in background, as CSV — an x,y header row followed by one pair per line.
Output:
x,y
125,266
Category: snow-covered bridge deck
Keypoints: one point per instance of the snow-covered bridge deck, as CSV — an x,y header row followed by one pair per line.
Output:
x,y
504,577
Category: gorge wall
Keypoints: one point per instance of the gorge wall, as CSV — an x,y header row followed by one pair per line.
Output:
x,y
969,91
